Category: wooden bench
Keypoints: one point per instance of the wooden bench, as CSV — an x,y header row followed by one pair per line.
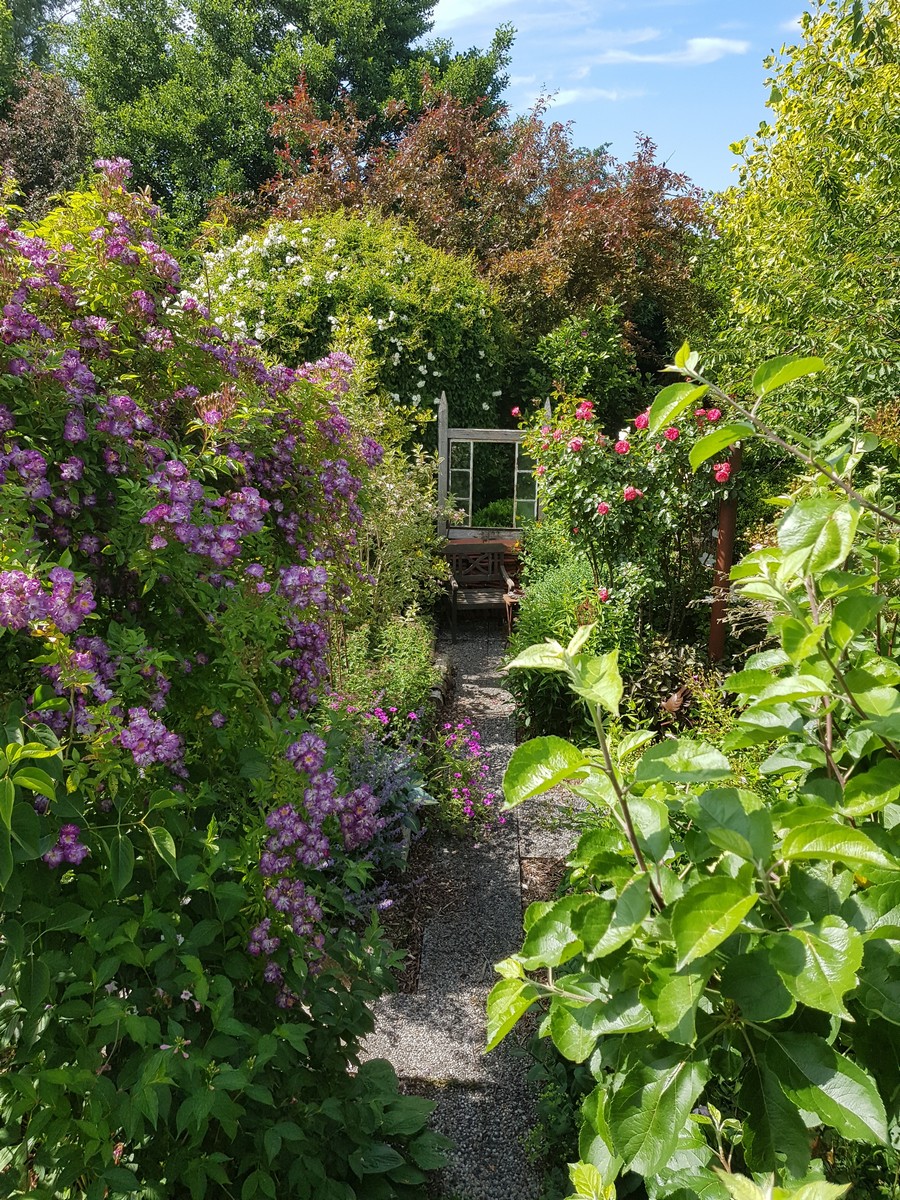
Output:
x,y
479,580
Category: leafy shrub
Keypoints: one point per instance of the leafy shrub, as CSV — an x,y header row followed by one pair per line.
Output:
x,y
390,665
188,961
728,966
457,778
423,318
496,515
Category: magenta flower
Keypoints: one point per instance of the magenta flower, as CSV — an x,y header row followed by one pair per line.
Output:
x,y
622,447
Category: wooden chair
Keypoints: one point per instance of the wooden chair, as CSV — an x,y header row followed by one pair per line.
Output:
x,y
479,580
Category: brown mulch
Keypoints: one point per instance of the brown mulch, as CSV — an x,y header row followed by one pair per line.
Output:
x,y
541,878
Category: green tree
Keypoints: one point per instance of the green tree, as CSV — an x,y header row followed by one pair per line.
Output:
x,y
811,234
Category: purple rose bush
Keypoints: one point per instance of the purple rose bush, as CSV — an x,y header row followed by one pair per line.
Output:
x,y
184,970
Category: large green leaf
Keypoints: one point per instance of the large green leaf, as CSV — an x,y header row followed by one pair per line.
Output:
x,y
879,984
33,986
650,1108
852,615
35,780
870,791
679,760
508,1001
121,862
575,1028
164,845
819,531
672,997
819,963
597,680
784,369
545,656
830,842
672,401
837,1090
552,939
753,983
7,799
707,914
539,765
723,817
719,440
775,1137
602,932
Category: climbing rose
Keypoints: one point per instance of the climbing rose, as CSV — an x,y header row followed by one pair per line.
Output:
x,y
585,410
602,508
540,469
700,413
722,471
603,593
642,420
631,493
671,434
622,447
713,414
576,444
516,412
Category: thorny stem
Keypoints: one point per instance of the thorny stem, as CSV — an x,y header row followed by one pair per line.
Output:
x,y
768,434
626,813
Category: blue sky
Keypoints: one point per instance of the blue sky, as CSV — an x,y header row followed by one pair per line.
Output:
x,y
688,73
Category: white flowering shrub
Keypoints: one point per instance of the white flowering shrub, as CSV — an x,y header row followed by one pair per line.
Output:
x,y
424,318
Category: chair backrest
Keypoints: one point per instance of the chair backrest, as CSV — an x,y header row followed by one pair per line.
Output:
x,y
476,565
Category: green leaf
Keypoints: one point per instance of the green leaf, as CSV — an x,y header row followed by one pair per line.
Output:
x,y
785,369
597,680
820,531
838,1091
717,441
672,401
706,915
870,791
819,964
678,760
33,986
575,1028
775,1137
164,845
601,935
7,799
830,842
375,1159
406,1115
539,765
552,939
580,639
121,862
508,1001
35,780
672,997
649,1110
588,1183
753,983
546,656
879,986
721,814
852,615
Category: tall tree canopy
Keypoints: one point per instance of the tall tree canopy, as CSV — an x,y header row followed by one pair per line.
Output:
x,y
181,86
812,233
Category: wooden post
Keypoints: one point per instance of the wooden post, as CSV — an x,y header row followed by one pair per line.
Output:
x,y
724,559
443,464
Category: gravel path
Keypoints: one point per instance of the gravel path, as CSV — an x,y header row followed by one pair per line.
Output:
x,y
435,1037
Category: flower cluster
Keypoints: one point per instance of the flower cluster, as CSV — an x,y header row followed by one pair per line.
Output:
x,y
149,742
462,771
68,848
24,600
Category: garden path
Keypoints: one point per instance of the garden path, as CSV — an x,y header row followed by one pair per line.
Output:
x,y
435,1037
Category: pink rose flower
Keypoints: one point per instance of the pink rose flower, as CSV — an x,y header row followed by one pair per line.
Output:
x,y
516,412
585,410
557,435
545,445
545,430
622,447
713,414
540,469
602,508
700,413
642,420
671,434
631,493
603,593
576,444
722,472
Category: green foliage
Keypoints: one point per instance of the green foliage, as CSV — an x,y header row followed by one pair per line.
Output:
x,y
809,234
496,515
586,355
729,942
423,319
388,663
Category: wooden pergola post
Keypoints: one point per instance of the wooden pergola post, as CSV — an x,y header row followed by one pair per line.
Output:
x,y
442,464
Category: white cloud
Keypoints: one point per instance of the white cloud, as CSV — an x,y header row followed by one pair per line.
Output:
x,y
575,95
792,26
696,52
581,72
449,13
521,80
